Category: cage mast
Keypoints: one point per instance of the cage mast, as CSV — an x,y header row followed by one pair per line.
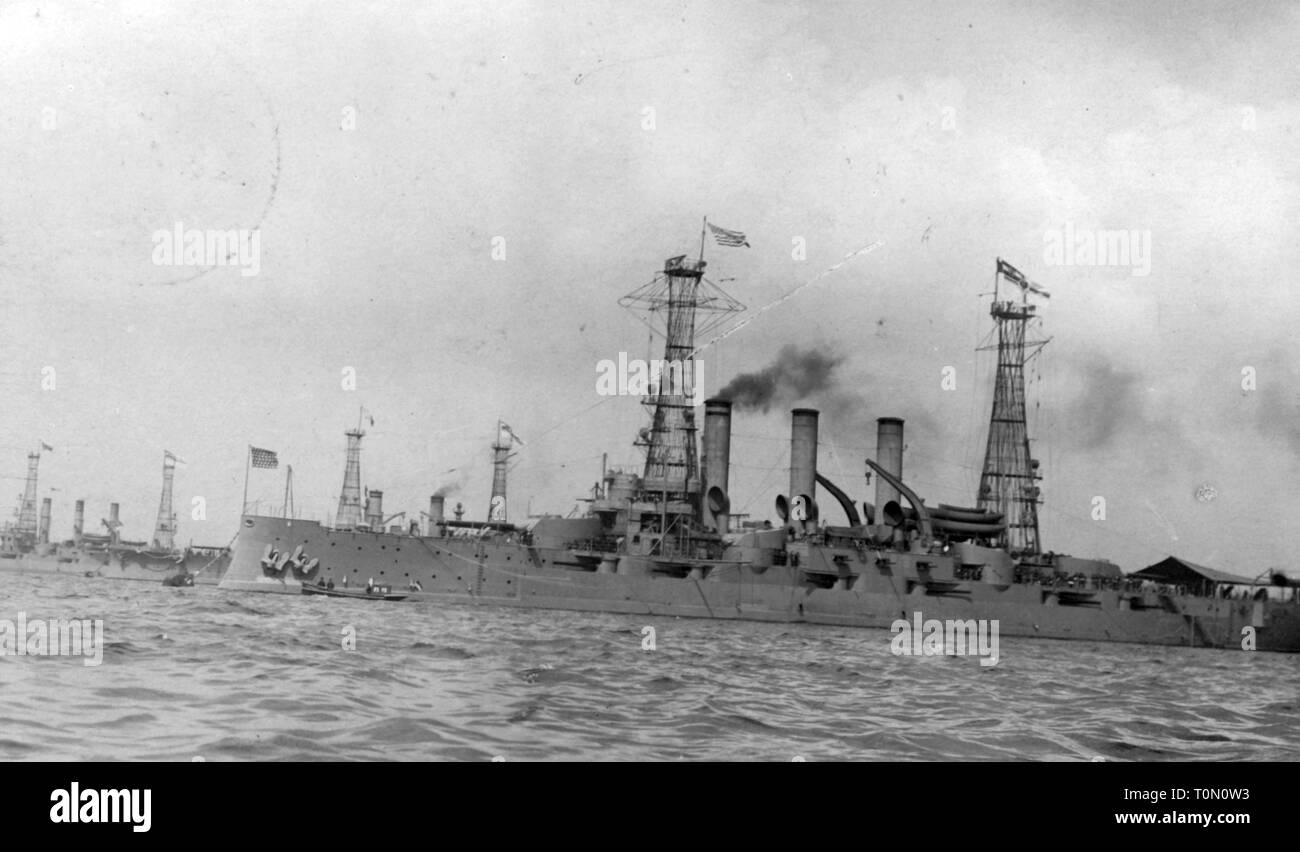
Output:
x,y
1009,482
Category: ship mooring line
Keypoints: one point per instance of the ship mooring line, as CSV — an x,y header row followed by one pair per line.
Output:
x,y
214,559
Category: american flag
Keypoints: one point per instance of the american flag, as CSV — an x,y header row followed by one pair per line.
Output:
x,y
735,239
264,458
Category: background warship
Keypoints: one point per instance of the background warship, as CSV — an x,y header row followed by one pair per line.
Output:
x,y
665,543
25,544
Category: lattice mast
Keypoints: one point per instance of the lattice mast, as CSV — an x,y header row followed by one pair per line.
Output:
x,y
500,458
164,531
349,515
27,519
1009,482
678,304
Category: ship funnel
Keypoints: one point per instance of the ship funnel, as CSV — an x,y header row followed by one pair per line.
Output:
x,y
375,510
114,522
889,450
437,510
717,463
78,519
803,470
43,530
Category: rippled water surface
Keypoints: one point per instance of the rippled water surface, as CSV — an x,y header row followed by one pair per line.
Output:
x,y
227,676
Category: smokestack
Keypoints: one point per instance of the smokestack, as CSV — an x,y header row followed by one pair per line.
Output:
x,y
717,462
437,511
889,455
114,522
803,469
375,510
78,519
43,531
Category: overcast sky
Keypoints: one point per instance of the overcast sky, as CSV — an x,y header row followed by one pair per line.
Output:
x,y
382,151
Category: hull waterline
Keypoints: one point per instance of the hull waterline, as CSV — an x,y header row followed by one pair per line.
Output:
x,y
504,571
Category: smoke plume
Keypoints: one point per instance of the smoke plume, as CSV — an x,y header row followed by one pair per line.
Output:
x,y
1278,406
451,485
1109,402
794,375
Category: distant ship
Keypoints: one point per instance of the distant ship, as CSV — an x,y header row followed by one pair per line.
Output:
x,y
25,546
665,543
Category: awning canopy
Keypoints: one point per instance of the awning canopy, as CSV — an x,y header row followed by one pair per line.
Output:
x,y
1182,572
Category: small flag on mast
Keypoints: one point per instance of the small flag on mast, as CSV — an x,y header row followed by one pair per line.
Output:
x,y
45,446
724,237
1015,276
506,430
264,458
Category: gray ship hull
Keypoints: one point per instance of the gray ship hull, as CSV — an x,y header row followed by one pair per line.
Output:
x,y
503,570
208,566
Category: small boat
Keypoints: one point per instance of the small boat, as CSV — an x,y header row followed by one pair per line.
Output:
x,y
375,593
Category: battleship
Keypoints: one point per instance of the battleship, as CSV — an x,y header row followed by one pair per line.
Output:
x,y
25,545
664,542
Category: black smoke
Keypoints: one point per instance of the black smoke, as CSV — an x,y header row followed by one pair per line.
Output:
x,y
1107,403
796,374
1278,407
452,485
